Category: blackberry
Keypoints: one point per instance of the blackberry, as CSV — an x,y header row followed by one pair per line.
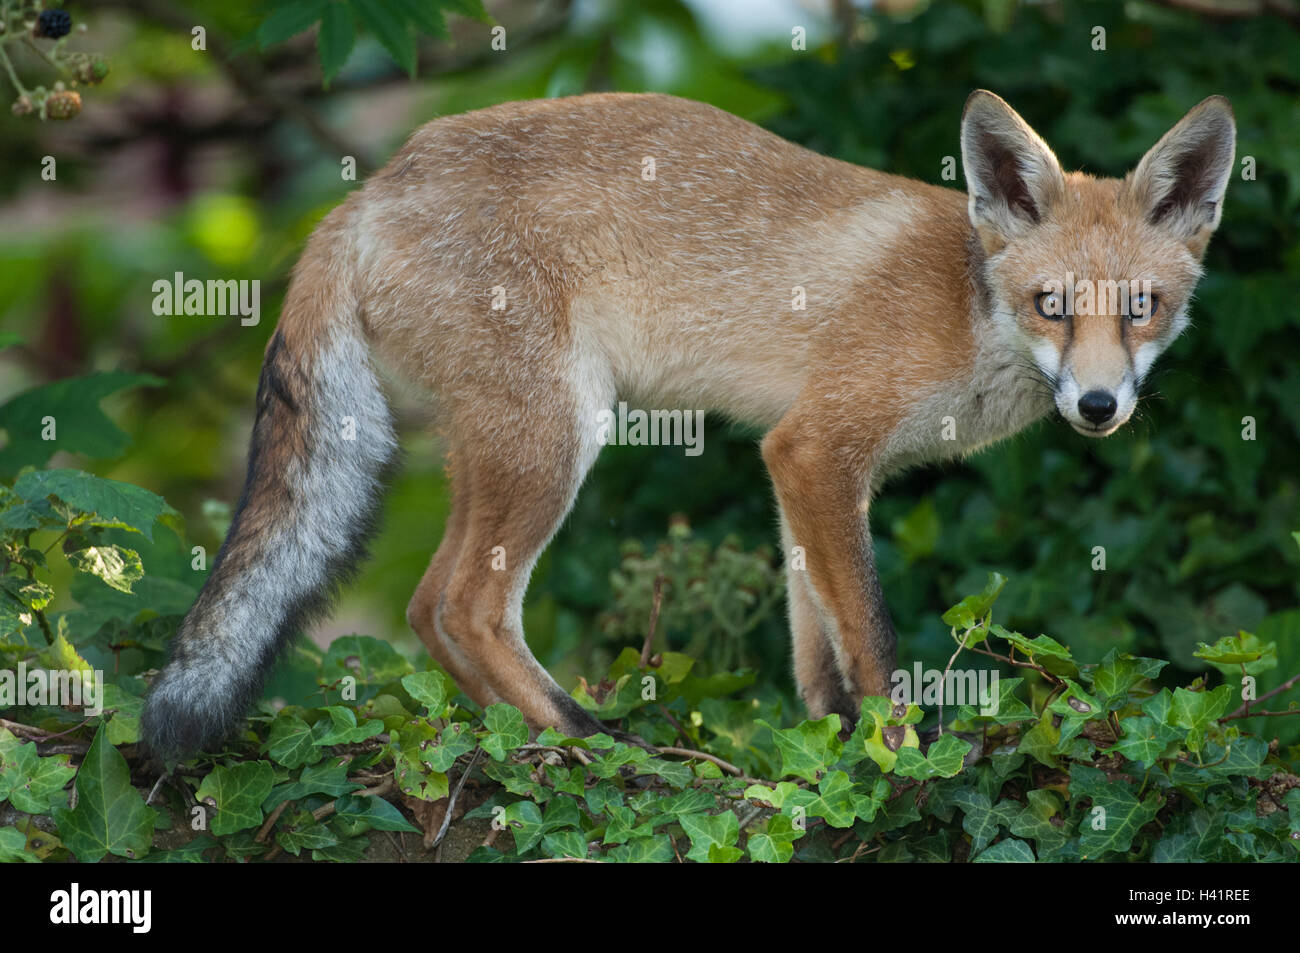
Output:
x,y
53,24
92,71
63,104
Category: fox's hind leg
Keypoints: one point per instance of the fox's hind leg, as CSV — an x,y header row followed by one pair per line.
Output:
x,y
520,454
424,610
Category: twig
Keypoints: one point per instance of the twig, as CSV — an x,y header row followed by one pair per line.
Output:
x,y
654,620
1016,662
677,725
265,829
1245,712
943,683
451,803
691,753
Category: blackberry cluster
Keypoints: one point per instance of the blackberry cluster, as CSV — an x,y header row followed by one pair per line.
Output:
x,y
53,24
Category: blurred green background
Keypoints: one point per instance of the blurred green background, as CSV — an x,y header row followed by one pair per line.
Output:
x,y
217,164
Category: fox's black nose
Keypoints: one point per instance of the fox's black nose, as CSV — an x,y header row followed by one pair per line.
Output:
x,y
1097,406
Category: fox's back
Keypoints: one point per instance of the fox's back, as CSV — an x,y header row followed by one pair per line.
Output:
x,y
660,228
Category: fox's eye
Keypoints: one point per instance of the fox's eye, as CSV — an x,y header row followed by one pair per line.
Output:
x,y
1142,306
1051,305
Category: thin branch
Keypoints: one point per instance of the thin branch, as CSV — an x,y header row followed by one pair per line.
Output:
x,y
451,803
1245,712
705,756
654,620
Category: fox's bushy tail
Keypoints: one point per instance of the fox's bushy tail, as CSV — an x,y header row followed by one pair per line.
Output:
x,y
322,441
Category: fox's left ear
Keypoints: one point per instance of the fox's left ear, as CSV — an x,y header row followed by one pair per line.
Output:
x,y
1179,184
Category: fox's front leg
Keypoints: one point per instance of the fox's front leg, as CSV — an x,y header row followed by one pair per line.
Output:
x,y
844,642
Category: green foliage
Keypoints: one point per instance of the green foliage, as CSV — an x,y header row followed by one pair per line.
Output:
x,y
396,24
1075,761
712,599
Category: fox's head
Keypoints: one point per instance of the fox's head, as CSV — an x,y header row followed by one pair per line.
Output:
x,y
1093,276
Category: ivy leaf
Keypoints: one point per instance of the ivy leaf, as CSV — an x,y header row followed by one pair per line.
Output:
x,y
505,730
31,783
623,828
645,850
343,728
410,770
676,773
809,748
713,836
1076,708
1008,710
13,847
1196,711
1041,822
943,760
111,816
324,778
980,818
431,689
775,845
1043,650
1143,739
974,609
454,740
564,844
350,851
1009,851
1118,673
840,800
378,813
238,791
291,742
529,826
1116,816
1230,653
305,833
124,725
606,764
369,660
1040,741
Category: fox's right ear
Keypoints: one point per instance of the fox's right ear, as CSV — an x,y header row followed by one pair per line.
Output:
x,y
1012,176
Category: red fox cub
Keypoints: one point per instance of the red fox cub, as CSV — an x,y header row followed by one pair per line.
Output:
x,y
532,264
